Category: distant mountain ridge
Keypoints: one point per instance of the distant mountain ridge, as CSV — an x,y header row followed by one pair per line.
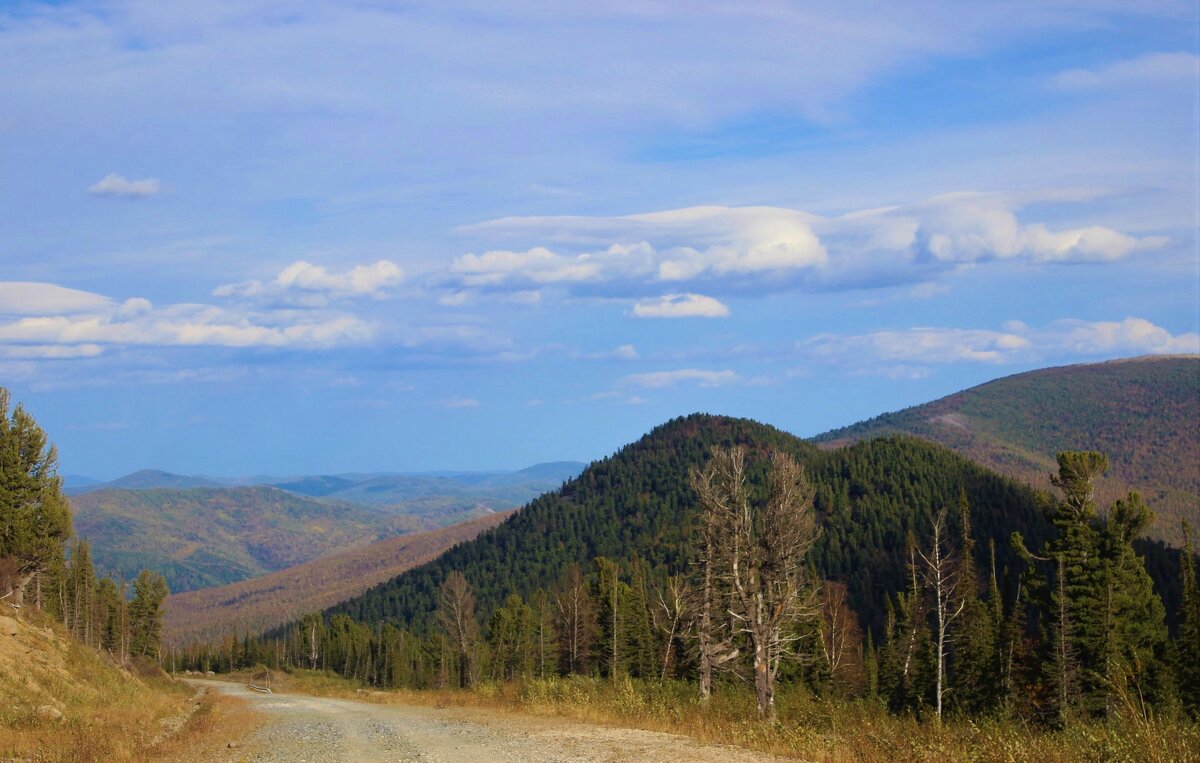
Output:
x,y
200,534
1143,413
374,487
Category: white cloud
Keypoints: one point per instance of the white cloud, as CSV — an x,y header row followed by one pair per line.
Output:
x,y
1017,342
680,306
1132,335
49,352
772,248
924,345
32,298
1152,68
49,321
306,284
690,244
122,187
625,352
699,377
976,227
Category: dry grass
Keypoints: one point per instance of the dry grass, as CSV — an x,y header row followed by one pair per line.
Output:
x,y
808,728
109,714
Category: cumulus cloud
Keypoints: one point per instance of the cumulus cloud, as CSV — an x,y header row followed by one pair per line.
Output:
x,y
690,244
1132,335
121,187
1152,68
47,321
33,298
696,376
680,306
771,248
1016,342
306,284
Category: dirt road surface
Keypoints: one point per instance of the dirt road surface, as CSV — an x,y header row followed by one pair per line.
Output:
x,y
316,729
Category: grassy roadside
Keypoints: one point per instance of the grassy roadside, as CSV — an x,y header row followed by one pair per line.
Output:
x,y
809,728
107,713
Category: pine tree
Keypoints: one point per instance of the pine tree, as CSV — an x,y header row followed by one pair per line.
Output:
x,y
35,520
146,613
973,655
545,642
1106,624
1134,619
1188,647
640,642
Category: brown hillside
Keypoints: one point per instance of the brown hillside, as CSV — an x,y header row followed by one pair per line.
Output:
x,y
1143,413
261,603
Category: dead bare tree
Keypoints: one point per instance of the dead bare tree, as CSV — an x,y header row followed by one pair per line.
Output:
x,y
712,634
941,577
762,551
456,613
838,630
671,616
576,623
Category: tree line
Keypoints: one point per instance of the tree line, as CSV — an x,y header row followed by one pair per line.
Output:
x,y
1081,633
37,568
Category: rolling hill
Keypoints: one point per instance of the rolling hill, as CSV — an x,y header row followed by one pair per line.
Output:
x,y
1143,413
870,496
200,534
261,603
202,537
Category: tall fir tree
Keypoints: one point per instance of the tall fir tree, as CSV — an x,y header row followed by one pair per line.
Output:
x,y
1188,647
973,655
35,520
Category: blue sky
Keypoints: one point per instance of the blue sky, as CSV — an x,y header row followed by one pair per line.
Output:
x,y
291,237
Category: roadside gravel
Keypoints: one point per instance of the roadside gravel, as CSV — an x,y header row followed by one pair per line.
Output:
x,y
317,729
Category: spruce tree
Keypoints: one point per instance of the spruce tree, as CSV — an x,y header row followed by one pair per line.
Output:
x,y
146,613
1188,645
35,520
973,653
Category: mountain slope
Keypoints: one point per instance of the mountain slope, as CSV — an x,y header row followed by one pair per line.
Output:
x,y
261,603
1143,413
869,496
210,536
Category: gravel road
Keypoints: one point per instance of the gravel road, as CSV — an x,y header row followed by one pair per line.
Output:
x,y
303,728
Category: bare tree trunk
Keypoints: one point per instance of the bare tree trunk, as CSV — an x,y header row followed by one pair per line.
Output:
x,y
943,580
673,605
764,686
762,554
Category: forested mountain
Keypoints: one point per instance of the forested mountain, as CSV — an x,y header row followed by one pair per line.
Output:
x,y
639,503
201,537
1143,413
257,604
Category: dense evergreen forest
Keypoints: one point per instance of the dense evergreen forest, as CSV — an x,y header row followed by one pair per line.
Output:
x,y
1043,604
